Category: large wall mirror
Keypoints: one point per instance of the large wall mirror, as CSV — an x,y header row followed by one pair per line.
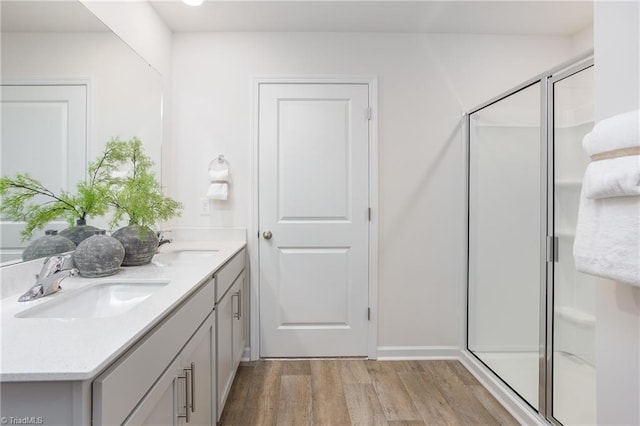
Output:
x,y
69,85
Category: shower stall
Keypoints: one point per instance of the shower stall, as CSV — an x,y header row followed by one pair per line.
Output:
x,y
530,315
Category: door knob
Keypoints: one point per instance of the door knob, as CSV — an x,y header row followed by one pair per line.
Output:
x,y
267,235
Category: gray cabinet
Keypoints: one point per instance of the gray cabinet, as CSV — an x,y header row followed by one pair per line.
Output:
x,y
238,294
184,391
174,361
230,324
224,355
197,365
159,407
171,371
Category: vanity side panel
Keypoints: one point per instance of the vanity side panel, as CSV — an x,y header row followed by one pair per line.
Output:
x,y
47,403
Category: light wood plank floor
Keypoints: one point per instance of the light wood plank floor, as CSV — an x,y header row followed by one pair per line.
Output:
x,y
359,392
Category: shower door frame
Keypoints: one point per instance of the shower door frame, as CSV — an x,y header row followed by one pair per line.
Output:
x,y
552,239
492,380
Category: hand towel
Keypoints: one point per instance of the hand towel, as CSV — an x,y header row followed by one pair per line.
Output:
x,y
616,177
619,131
219,188
218,191
219,175
607,242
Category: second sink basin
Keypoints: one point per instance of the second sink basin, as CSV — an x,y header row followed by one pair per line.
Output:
x,y
102,300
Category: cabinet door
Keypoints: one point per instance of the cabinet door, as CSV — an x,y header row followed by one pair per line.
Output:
x,y
159,406
238,293
224,350
197,362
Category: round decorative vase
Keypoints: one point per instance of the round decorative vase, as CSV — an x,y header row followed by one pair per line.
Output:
x,y
80,232
98,256
50,244
140,244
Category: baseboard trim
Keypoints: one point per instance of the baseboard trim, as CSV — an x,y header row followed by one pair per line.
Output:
x,y
389,353
514,405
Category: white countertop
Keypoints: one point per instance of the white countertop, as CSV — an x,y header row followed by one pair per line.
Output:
x,y
61,349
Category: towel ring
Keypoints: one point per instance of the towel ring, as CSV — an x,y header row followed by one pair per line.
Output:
x,y
219,163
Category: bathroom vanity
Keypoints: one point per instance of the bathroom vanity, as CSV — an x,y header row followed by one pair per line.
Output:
x,y
161,345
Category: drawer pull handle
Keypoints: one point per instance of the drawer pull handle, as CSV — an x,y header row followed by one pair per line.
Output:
x,y
193,387
236,314
187,414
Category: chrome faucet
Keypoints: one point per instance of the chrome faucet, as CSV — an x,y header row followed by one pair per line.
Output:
x,y
54,270
162,240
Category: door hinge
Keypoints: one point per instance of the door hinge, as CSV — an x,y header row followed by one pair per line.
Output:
x,y
368,314
369,214
368,113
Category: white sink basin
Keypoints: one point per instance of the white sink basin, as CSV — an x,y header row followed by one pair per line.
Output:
x,y
102,300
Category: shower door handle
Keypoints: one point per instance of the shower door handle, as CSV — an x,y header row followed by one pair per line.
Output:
x,y
552,248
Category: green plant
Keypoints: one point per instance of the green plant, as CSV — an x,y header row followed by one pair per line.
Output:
x,y
19,202
138,195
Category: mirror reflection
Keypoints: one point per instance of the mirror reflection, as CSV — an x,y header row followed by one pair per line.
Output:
x,y
69,85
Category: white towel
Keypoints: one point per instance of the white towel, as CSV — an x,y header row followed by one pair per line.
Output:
x,y
607,242
219,188
218,191
219,175
619,131
617,177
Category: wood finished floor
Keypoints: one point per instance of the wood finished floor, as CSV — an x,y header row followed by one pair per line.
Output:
x,y
359,392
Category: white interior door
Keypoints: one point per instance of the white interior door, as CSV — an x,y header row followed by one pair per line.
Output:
x,y
314,199
44,133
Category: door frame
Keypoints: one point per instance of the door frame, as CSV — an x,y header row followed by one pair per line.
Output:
x,y
254,219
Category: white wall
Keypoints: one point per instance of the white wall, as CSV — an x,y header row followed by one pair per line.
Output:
x,y
617,90
138,25
425,83
582,41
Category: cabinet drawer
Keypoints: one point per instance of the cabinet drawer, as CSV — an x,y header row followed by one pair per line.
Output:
x,y
118,390
226,275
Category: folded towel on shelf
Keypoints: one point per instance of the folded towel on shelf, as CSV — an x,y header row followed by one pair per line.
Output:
x,y
617,177
607,242
218,191
619,131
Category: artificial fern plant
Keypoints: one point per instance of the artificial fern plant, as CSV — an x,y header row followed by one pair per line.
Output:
x,y
17,198
137,194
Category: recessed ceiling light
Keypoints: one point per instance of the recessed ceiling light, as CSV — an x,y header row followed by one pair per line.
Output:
x,y
193,2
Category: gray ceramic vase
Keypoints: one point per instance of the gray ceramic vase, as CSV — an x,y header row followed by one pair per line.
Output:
x,y
50,244
98,256
140,244
80,232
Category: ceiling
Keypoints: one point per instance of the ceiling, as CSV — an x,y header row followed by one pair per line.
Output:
x,y
48,16
558,18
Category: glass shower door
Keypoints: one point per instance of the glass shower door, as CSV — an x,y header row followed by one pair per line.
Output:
x,y
505,239
574,389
